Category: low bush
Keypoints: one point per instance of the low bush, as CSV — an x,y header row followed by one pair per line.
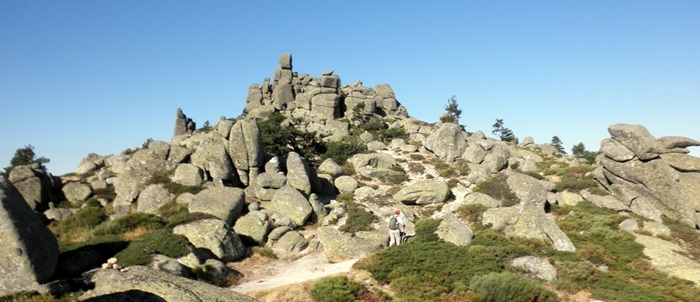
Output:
x,y
335,289
178,189
508,287
498,188
358,220
345,197
416,157
161,241
343,149
575,183
472,212
416,168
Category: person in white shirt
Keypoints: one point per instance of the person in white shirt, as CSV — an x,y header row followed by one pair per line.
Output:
x,y
395,227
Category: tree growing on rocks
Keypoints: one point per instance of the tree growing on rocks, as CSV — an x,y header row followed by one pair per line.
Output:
x,y
556,142
579,150
25,156
504,133
452,111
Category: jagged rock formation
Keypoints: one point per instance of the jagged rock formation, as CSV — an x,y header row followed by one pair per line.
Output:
x,y
183,125
651,177
320,101
28,250
37,186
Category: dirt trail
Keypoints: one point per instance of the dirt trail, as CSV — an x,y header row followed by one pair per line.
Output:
x,y
279,273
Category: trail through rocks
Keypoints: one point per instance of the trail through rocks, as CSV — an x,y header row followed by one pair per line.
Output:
x,y
277,273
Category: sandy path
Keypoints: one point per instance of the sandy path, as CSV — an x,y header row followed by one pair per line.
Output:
x,y
286,272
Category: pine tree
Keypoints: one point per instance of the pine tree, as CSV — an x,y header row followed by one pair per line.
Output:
x,y
25,156
578,150
452,111
504,133
556,142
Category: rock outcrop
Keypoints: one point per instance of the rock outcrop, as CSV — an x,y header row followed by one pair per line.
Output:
x,y
28,250
36,186
651,177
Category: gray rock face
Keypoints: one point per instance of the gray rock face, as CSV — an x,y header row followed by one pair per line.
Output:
x,y
245,145
298,173
338,244
373,165
346,184
528,189
536,267
226,203
659,180
454,230
290,242
423,192
152,198
252,228
35,185
213,157
29,251
529,221
213,235
447,142
189,175
289,202
76,192
183,125
168,265
154,285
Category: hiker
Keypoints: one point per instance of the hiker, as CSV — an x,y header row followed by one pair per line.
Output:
x,y
395,226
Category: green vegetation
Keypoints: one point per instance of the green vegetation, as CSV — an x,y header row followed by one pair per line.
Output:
x,y
130,223
498,188
280,140
580,151
358,220
335,289
79,226
503,133
24,156
452,111
161,241
343,149
575,178
556,142
507,287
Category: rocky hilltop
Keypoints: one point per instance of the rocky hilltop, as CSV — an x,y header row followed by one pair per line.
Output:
x,y
236,196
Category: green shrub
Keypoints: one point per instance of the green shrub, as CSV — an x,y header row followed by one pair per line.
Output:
x,y
107,193
159,177
186,217
178,189
335,289
161,241
498,188
343,149
416,157
574,276
472,212
266,252
393,133
130,223
279,140
509,287
348,168
358,220
345,197
452,183
574,183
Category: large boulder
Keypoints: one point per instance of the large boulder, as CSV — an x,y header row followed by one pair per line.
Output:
x,y
36,186
141,283
291,241
336,243
76,191
29,251
253,227
212,156
423,192
329,166
289,202
536,267
152,198
245,145
637,139
225,203
447,142
454,230
298,173
374,164
189,175
213,236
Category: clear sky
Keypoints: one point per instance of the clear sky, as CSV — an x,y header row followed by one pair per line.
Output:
x,y
80,77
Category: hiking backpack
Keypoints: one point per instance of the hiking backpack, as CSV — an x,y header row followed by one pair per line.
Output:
x,y
393,223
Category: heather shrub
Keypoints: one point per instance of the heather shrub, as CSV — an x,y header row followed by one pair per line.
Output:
x,y
510,287
130,223
335,289
161,241
358,220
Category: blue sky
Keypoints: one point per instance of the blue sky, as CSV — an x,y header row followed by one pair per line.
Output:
x,y
102,76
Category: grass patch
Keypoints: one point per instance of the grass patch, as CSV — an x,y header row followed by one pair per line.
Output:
x,y
130,223
335,289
